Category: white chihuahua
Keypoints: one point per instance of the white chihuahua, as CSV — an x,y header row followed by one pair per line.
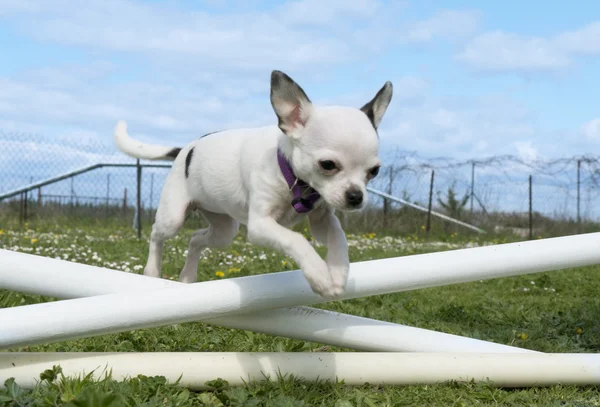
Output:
x,y
316,160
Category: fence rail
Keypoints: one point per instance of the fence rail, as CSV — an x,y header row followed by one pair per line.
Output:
x,y
429,211
71,174
24,191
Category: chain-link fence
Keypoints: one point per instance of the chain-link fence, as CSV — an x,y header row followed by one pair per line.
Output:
x,y
86,180
495,193
501,192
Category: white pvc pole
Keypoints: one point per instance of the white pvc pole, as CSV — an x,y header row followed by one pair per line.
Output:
x,y
83,317
64,279
195,369
422,209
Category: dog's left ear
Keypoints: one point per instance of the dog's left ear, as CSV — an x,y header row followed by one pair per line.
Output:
x,y
290,103
376,108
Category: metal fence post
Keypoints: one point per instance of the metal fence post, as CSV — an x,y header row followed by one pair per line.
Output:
x,y
21,204
428,227
579,195
125,202
139,199
472,185
25,202
107,194
530,209
151,197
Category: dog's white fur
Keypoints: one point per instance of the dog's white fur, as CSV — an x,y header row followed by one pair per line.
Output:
x,y
234,178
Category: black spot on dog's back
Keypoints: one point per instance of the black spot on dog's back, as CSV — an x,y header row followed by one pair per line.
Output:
x,y
174,153
208,134
188,161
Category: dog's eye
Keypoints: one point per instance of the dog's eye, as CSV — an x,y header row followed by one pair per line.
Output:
x,y
374,171
327,165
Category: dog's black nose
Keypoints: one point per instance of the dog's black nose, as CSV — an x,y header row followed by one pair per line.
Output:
x,y
354,197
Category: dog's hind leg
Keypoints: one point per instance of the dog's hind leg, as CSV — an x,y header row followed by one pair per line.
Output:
x,y
220,233
170,215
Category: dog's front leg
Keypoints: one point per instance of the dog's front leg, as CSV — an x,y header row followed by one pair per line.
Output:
x,y
327,230
265,231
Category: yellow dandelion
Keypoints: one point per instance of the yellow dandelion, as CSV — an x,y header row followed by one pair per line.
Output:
x,y
234,270
220,274
422,227
283,262
579,331
34,240
523,336
1,232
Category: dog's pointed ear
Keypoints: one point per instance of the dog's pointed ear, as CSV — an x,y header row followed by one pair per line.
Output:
x,y
376,108
290,103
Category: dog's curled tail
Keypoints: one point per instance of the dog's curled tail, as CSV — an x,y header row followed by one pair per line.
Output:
x,y
141,150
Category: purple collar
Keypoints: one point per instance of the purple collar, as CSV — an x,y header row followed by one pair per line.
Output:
x,y
302,204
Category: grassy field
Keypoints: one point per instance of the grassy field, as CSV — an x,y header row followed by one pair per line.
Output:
x,y
550,312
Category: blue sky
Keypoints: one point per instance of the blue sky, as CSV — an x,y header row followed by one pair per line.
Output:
x,y
472,78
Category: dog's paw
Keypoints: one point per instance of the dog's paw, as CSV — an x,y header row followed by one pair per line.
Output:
x,y
319,279
187,277
331,293
151,272
339,276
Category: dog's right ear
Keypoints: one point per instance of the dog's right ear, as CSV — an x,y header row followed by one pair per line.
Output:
x,y
290,103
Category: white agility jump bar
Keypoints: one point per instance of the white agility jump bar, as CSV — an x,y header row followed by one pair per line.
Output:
x,y
193,369
91,316
57,278
422,209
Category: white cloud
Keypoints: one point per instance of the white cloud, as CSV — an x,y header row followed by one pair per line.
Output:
x,y
318,12
158,110
463,130
236,40
69,75
445,120
500,51
591,130
17,6
582,41
444,25
407,89
526,151
303,34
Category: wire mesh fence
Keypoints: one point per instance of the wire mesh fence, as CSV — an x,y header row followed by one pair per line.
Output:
x,y
495,193
106,193
500,192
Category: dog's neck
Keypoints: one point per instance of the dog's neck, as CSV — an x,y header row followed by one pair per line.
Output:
x,y
304,196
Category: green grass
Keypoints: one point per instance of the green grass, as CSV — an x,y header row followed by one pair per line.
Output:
x,y
550,312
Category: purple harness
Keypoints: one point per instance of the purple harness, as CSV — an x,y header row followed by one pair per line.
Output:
x,y
302,204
